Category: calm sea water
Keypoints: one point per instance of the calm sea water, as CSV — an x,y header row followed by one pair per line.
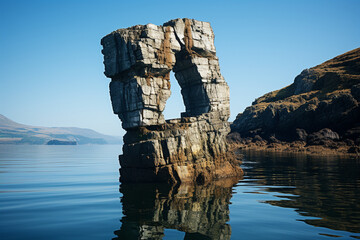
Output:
x,y
72,192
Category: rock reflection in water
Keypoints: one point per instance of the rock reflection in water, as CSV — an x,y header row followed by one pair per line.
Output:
x,y
327,188
201,211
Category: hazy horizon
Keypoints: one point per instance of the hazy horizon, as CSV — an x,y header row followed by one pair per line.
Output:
x,y
51,66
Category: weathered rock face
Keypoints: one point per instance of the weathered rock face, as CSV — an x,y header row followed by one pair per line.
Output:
x,y
139,60
321,107
202,212
183,150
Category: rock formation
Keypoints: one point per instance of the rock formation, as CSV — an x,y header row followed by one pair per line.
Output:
x,y
139,60
201,211
321,107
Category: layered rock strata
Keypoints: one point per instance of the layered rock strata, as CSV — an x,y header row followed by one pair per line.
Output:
x,y
182,150
321,108
139,60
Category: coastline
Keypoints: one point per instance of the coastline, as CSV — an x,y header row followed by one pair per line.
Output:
x,y
296,147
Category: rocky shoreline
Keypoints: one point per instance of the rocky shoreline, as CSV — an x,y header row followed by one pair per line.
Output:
x,y
319,113
328,147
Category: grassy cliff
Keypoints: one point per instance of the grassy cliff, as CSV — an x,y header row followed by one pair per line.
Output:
x,y
326,96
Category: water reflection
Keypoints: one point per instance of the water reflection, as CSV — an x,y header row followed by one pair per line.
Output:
x,y
201,212
281,197
327,188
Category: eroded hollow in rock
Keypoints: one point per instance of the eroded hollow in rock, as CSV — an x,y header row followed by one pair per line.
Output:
x,y
139,60
175,103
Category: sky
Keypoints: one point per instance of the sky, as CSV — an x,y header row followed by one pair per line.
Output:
x,y
51,66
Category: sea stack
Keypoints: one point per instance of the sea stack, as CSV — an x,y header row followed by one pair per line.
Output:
x,y
192,148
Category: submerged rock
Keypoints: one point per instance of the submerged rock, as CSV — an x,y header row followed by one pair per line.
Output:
x,y
139,60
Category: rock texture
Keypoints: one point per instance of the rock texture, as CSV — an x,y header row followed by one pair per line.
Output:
x,y
201,211
183,150
321,107
139,60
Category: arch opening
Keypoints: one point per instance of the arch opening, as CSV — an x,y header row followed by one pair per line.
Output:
x,y
139,61
175,104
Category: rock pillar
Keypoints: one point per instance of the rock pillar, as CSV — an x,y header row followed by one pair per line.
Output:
x,y
139,60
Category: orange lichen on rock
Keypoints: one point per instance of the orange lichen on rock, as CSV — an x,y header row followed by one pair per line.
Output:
x,y
139,61
164,53
188,39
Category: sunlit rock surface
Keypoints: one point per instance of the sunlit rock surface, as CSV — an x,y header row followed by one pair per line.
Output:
x,y
321,108
139,60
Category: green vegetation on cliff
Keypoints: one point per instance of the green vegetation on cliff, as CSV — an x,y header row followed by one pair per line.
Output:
x,y
323,97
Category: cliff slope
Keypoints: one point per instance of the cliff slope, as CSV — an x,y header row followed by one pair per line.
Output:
x,y
321,107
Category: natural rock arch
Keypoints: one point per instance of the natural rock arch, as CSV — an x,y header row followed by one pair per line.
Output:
x,y
193,148
139,60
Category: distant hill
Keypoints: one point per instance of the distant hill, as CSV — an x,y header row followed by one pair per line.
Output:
x,y
321,107
15,133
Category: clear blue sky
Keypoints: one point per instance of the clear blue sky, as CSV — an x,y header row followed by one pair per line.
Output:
x,y
51,70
